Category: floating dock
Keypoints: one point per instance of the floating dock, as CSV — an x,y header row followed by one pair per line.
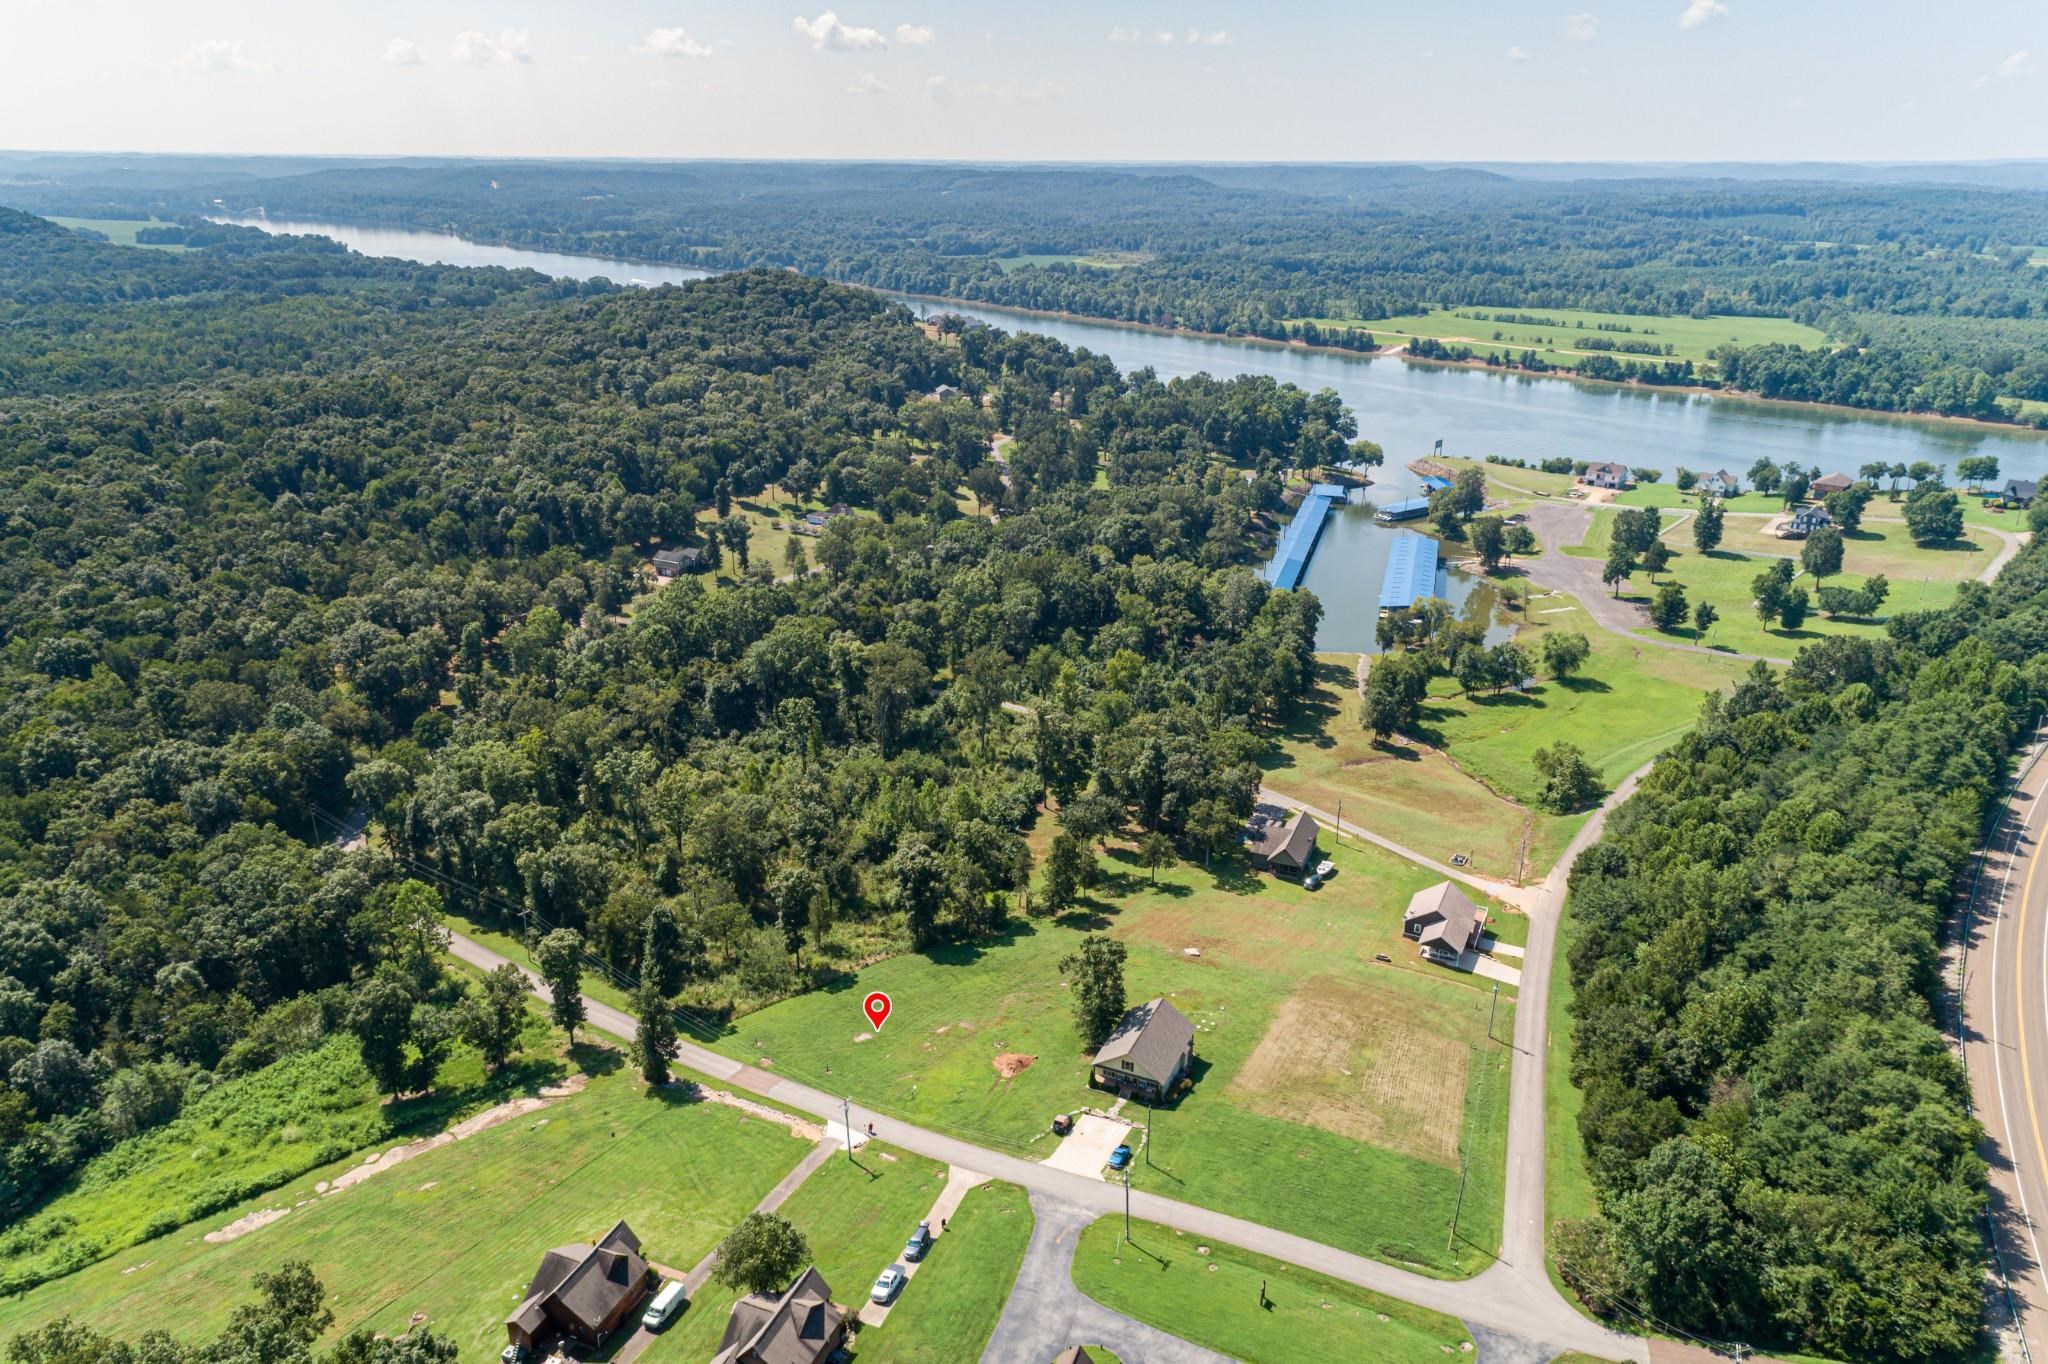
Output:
x,y
1290,557
1435,483
1402,511
1413,572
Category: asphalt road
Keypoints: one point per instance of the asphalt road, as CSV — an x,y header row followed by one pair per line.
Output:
x,y
2005,1032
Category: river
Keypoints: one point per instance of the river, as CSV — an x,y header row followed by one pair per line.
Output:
x,y
1406,407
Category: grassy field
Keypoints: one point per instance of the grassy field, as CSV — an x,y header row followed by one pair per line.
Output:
x,y
451,1236
1210,1294
1921,579
949,1310
246,1136
1567,1184
1260,1135
121,231
1109,260
1880,508
1558,338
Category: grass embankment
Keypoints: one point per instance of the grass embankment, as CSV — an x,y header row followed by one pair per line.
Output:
x,y
1567,1184
246,1136
451,1237
1318,1069
1921,579
1163,1278
856,1218
1559,335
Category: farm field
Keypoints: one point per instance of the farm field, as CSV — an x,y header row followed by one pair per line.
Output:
x,y
245,1136
1559,333
1211,1293
1108,260
1259,1136
856,1218
121,231
1920,580
452,1236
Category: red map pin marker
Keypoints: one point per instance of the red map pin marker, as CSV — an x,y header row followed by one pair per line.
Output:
x,y
876,1006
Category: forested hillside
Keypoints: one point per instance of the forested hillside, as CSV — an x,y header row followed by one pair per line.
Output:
x,y
1779,1132
1935,279
397,568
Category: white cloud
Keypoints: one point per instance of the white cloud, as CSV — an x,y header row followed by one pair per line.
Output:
x,y
868,84
1213,38
826,31
2018,64
916,35
938,90
1582,28
512,45
222,54
403,52
1163,38
671,42
1518,54
658,83
1698,12
1120,34
1017,90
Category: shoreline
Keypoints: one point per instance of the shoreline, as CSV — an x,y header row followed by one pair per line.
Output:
x,y
1399,352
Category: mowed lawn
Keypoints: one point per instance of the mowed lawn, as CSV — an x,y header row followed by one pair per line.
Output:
x,y
856,1218
1210,1293
453,1235
1377,1087
1559,334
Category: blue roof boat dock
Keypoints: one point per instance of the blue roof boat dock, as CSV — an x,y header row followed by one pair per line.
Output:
x,y
1402,511
1290,557
1413,572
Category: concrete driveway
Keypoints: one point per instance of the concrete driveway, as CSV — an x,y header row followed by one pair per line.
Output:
x,y
1085,1150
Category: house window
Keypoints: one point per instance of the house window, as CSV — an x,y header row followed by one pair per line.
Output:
x,y
1127,1065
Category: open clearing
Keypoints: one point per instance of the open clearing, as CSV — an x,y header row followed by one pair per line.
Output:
x,y
1212,1293
1559,335
121,231
1363,1062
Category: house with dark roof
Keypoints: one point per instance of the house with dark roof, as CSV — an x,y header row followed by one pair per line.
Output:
x,y
1720,483
669,562
582,1291
2018,492
1444,923
1147,1053
1282,840
1829,483
1805,522
800,1325
1074,1354
1605,474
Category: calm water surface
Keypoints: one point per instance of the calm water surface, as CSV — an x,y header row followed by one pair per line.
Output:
x,y
1406,407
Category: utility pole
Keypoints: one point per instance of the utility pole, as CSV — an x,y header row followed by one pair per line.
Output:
x,y
1148,1134
1339,830
1127,1204
1490,1012
847,1118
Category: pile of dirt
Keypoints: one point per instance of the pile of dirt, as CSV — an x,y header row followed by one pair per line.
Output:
x,y
1011,1064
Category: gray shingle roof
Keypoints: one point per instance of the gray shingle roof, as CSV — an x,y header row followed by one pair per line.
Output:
x,y
1153,1037
1277,832
585,1281
791,1327
1447,917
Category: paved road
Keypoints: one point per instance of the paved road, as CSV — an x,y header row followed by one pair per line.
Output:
x,y
1558,524
2005,1032
1046,1313
1514,1295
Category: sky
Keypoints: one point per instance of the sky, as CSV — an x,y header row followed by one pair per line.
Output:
x,y
1314,80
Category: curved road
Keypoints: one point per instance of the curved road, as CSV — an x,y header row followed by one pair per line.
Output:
x,y
2005,1044
1514,1295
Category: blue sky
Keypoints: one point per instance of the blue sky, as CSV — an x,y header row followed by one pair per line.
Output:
x,y
1355,80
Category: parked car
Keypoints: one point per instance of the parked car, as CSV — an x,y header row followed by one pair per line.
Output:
x,y
920,1242
1062,1123
888,1284
1381,956
666,1304
1119,1157
1326,869
512,1354
1311,882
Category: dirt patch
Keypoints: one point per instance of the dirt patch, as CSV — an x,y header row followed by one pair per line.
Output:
x,y
242,1226
1265,933
1011,1064
797,1126
1363,1062
861,1037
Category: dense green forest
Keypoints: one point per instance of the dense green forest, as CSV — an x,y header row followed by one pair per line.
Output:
x,y
394,566
1930,284
1779,1132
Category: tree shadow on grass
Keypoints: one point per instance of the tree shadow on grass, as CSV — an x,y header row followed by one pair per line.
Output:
x,y
1581,684
1509,699
596,1059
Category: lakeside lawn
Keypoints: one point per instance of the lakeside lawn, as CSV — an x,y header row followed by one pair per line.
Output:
x,y
1165,1278
121,231
1319,1070
1558,335
1882,505
454,1234
1921,579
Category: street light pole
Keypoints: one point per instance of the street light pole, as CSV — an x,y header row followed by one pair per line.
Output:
x,y
1127,1204
847,1119
1490,1012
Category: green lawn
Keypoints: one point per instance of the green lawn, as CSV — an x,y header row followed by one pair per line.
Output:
x,y
1166,1279
455,1233
1103,261
1280,1140
121,231
243,1137
856,1217
1559,336
1567,1184
949,1311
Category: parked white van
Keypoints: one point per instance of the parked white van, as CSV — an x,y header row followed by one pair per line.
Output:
x,y
665,1305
